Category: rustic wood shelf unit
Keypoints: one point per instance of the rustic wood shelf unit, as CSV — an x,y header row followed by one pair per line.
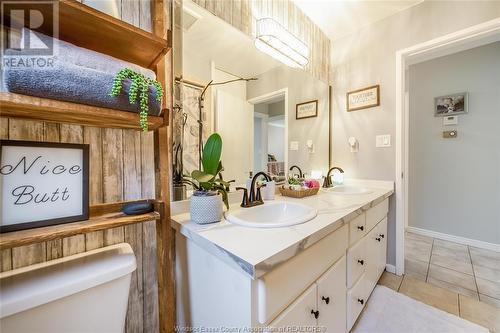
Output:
x,y
43,109
44,234
89,28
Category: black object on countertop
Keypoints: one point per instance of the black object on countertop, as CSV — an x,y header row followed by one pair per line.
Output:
x,y
136,208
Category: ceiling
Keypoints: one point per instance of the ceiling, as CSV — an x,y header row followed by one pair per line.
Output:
x,y
339,18
231,50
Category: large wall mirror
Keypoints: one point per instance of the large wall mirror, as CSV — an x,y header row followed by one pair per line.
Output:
x,y
270,116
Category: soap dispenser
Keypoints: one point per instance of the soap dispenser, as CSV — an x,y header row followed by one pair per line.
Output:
x,y
269,190
337,178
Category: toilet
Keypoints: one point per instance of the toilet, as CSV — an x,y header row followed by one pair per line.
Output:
x,y
86,292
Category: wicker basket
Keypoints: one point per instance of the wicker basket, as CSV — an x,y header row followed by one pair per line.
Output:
x,y
302,193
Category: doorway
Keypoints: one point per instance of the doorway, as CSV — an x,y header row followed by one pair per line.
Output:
x,y
482,34
270,119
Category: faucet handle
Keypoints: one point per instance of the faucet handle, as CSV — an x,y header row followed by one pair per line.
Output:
x,y
327,182
244,201
259,195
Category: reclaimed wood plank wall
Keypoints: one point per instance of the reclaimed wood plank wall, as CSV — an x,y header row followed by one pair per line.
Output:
x,y
121,168
242,15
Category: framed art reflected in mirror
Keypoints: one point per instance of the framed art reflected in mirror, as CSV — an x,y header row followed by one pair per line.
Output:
x,y
306,110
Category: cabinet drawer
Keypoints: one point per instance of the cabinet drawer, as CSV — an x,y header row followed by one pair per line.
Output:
x,y
357,229
382,235
278,288
332,298
299,313
373,248
356,300
376,214
356,262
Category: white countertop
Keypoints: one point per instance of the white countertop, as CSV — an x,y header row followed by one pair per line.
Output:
x,y
256,251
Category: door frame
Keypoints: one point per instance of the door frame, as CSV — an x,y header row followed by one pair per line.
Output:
x,y
262,117
461,40
267,97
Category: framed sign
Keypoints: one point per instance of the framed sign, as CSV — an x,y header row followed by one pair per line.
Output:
x,y
363,98
306,110
42,183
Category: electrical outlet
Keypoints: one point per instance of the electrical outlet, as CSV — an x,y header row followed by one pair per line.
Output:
x,y
294,145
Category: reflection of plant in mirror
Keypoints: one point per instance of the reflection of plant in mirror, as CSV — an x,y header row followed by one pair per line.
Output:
x,y
140,84
294,181
209,180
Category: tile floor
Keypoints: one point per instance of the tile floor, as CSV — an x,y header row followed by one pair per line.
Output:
x,y
460,305
462,269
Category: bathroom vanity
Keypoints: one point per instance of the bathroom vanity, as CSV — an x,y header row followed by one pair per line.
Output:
x,y
319,273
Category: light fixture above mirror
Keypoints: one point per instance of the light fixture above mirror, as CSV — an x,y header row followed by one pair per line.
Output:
x,y
273,39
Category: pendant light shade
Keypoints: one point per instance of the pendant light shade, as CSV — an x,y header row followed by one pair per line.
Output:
x,y
272,38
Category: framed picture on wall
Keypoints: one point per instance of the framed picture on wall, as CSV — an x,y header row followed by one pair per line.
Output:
x,y
363,98
306,110
450,105
42,183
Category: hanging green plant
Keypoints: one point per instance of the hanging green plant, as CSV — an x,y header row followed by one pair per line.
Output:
x,y
139,86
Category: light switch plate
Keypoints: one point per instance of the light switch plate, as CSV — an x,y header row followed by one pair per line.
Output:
x,y
450,120
383,140
294,145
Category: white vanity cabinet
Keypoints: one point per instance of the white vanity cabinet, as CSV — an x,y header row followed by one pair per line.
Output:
x,y
332,298
301,312
366,259
325,284
322,304
347,285
376,240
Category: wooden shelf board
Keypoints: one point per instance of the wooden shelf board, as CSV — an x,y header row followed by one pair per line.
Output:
x,y
36,108
89,28
43,234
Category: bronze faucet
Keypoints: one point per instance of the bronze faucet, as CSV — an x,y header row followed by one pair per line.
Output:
x,y
255,197
301,175
328,183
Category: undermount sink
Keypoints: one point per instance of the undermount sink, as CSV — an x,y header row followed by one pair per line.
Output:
x,y
271,215
346,189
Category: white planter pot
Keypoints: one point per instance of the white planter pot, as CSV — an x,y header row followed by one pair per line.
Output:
x,y
206,209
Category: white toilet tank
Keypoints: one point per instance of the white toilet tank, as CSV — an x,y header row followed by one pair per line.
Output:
x,y
87,292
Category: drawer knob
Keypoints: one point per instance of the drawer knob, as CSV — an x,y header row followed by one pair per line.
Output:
x,y
326,299
315,313
360,227
381,235
378,239
361,262
361,301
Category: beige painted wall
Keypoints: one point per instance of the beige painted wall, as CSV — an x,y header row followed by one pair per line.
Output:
x,y
368,57
302,87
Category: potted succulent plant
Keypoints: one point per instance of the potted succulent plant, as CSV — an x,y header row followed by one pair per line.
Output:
x,y
139,88
210,189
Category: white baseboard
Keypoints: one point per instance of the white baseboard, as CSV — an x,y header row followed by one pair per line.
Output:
x,y
390,268
455,239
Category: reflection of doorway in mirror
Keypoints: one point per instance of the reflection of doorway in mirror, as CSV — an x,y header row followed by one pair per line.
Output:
x,y
269,132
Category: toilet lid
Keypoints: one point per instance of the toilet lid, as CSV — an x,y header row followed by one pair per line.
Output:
x,y
35,285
